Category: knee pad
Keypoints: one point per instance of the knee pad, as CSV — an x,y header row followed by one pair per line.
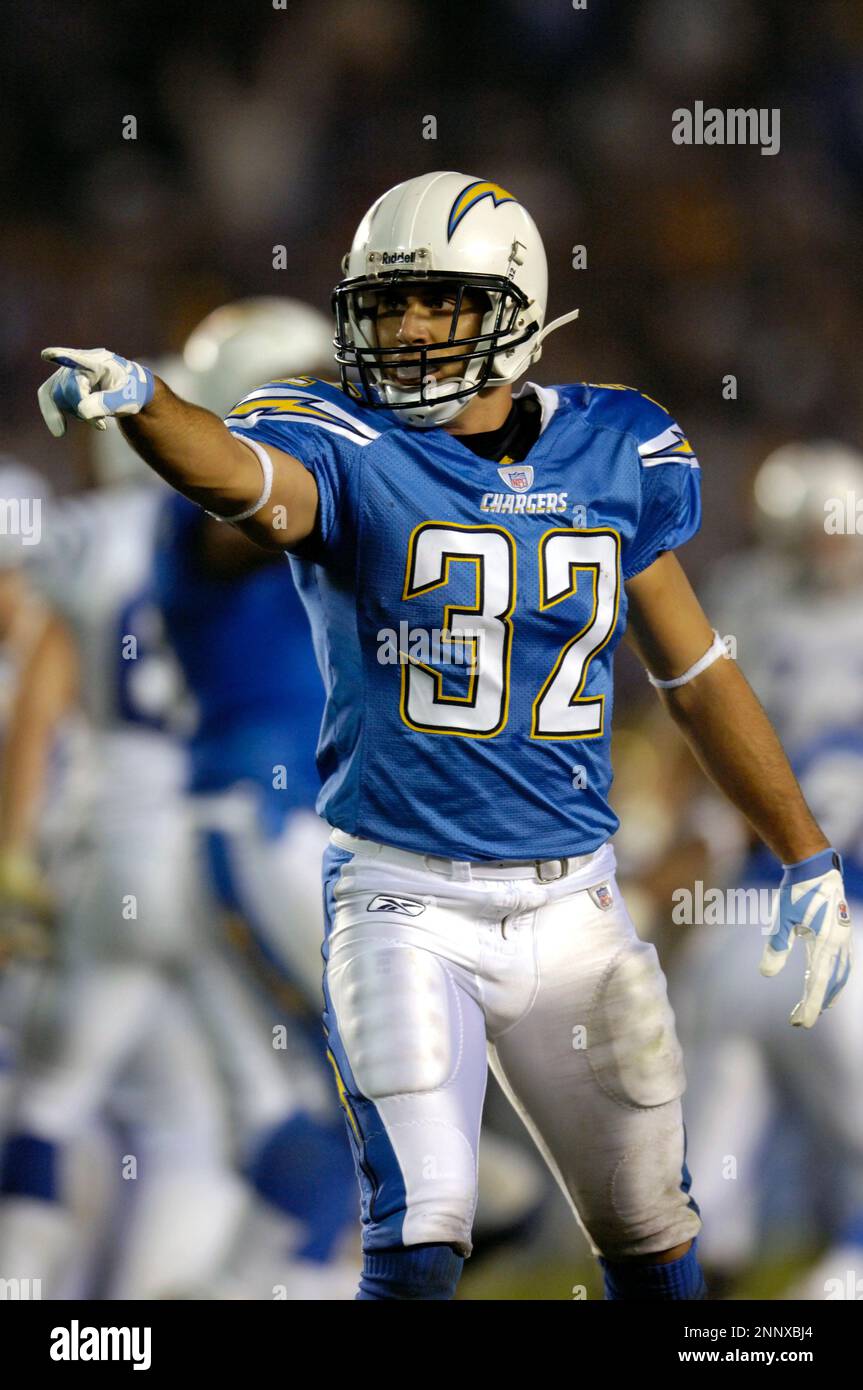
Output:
x,y
401,1024
632,1046
650,1206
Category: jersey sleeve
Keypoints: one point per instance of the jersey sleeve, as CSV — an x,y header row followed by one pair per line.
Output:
x,y
670,489
324,435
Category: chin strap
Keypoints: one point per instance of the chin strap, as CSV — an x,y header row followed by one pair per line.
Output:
x,y
555,323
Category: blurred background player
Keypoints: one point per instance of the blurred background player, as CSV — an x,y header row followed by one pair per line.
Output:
x,y
147,1018
112,1037
25,902
774,1129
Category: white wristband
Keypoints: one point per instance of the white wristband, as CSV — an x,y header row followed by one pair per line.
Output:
x,y
716,649
267,468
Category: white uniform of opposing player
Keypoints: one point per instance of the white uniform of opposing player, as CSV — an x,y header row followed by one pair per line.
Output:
x,y
795,610
117,1013
22,622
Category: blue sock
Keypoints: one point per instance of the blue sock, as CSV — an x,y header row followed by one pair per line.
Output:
x,y
681,1278
417,1271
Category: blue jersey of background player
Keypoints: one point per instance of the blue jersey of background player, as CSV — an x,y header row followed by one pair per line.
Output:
x,y
257,727
419,536
256,714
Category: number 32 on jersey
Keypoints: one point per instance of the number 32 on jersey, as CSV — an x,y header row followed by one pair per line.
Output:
x,y
560,710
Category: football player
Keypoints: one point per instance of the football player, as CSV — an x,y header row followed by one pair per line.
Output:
x,y
746,1079
24,899
794,605
468,558
113,1035
254,785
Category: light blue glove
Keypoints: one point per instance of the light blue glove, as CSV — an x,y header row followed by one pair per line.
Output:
x,y
91,384
812,904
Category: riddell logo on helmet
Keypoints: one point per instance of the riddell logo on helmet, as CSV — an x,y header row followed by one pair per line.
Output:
x,y
398,257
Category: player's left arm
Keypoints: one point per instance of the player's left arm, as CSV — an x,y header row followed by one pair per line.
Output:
x,y
731,736
718,712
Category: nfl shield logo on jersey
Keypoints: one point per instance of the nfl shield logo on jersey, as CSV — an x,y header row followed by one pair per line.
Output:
x,y
518,476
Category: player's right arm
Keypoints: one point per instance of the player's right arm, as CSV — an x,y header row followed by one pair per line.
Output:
x,y
189,447
196,453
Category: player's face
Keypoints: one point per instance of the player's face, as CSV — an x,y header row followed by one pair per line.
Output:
x,y
418,315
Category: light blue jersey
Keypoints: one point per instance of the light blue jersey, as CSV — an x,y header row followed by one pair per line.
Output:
x,y
465,612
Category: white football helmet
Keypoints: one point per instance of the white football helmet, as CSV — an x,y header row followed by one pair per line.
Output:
x,y
252,341
445,229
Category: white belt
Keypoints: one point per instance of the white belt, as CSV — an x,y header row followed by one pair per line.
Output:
x,y
543,870
540,870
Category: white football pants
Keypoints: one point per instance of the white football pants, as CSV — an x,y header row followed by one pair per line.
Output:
x,y
435,966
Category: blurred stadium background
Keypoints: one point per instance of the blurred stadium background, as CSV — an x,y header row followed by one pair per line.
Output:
x,y
259,127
